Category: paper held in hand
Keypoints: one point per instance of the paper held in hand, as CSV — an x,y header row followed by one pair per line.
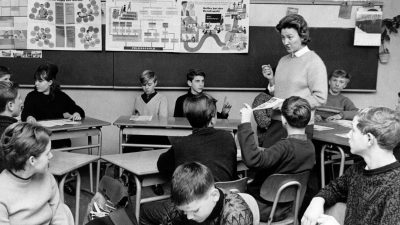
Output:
x,y
270,103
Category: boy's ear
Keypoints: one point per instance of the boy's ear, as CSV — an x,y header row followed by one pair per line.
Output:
x,y
189,83
155,83
9,106
215,195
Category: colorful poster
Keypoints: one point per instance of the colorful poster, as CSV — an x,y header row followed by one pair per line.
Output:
x,y
13,24
178,26
142,25
368,27
64,25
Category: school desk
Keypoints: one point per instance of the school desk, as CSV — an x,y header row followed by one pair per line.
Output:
x,y
143,165
333,138
171,126
87,127
64,163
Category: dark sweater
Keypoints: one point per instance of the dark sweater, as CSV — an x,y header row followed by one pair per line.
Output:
x,y
178,112
214,148
291,155
6,121
372,196
44,107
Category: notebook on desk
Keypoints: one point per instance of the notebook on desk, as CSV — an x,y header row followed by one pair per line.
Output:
x,y
326,112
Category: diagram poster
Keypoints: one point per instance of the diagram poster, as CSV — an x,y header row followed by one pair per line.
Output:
x,y
215,26
178,26
142,25
13,24
64,25
368,27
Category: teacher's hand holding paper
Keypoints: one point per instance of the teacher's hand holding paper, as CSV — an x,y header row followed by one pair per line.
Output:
x,y
274,103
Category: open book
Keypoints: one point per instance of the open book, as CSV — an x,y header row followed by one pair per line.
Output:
x,y
141,118
270,103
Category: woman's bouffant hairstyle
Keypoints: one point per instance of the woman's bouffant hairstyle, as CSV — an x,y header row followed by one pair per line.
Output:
x,y
298,23
21,141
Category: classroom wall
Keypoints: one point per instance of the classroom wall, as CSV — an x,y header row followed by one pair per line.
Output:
x,y
109,104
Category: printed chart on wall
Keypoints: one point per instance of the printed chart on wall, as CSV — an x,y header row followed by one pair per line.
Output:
x,y
208,26
64,25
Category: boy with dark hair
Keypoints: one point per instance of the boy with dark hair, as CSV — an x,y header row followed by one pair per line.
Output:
x,y
214,148
195,80
5,73
338,81
293,154
370,188
197,200
10,104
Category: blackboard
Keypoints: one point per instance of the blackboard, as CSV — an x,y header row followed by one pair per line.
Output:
x,y
333,45
228,71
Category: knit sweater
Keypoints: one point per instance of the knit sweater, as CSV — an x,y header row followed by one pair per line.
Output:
x,y
32,201
157,106
214,148
291,155
303,76
343,104
6,121
372,196
44,107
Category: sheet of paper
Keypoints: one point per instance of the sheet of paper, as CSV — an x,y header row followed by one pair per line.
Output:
x,y
322,128
269,104
60,122
343,135
345,123
141,118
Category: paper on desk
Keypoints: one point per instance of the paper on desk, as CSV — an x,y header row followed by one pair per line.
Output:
x,y
270,103
141,118
60,122
345,123
322,128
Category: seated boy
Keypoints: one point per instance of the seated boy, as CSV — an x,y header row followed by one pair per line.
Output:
x,y
214,148
336,102
10,104
293,154
195,80
196,200
369,188
150,103
5,73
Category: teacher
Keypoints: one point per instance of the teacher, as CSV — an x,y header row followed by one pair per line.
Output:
x,y
300,73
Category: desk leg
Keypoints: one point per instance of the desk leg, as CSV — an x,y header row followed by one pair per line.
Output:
x,y
100,140
342,159
323,166
138,196
121,141
90,165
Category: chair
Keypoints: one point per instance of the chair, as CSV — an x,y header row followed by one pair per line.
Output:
x,y
284,188
235,186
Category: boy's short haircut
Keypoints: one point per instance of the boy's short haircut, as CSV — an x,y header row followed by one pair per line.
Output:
x,y
199,110
21,141
4,71
191,181
8,93
146,76
193,73
383,123
340,74
297,111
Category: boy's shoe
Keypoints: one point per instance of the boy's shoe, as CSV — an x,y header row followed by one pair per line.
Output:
x,y
69,189
157,189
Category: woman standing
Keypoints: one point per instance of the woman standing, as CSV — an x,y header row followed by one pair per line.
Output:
x,y
300,73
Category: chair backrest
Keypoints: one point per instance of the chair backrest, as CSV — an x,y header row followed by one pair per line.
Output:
x,y
252,203
284,188
236,186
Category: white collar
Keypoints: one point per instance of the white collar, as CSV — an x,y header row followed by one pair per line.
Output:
x,y
301,52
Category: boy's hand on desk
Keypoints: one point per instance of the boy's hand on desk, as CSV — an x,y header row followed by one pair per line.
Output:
x,y
334,117
31,119
313,211
246,113
76,116
318,118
